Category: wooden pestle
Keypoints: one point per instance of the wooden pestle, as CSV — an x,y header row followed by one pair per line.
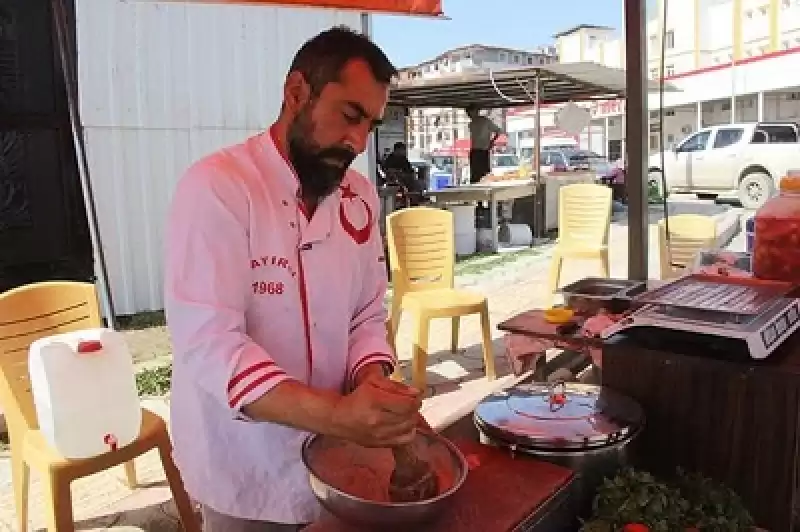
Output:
x,y
412,478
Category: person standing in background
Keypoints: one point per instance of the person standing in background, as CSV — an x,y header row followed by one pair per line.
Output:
x,y
483,134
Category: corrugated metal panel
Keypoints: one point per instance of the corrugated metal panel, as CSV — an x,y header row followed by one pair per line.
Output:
x,y
162,85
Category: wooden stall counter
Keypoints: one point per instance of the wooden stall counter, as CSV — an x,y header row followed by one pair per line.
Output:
x,y
736,422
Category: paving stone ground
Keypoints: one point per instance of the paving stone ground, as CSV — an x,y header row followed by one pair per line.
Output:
x,y
456,382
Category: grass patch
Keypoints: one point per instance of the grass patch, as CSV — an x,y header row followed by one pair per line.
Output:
x,y
142,320
483,262
154,382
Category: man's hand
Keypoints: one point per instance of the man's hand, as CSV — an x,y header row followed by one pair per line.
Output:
x,y
423,424
369,371
378,413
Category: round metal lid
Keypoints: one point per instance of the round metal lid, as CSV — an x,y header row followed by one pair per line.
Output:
x,y
558,416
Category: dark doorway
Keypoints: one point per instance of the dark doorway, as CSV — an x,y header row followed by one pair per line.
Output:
x,y
614,150
43,229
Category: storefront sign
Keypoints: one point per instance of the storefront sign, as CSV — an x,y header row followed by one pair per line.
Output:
x,y
606,108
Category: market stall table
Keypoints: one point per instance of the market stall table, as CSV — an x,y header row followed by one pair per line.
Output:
x,y
493,193
533,324
710,410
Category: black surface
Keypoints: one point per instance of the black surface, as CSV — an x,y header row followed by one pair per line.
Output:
x,y
694,344
43,229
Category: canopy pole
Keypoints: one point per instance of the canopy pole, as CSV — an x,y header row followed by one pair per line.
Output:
x,y
540,198
61,24
636,133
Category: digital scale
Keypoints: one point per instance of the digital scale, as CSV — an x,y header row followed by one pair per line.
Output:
x,y
741,318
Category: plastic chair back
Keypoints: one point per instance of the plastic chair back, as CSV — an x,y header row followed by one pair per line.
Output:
x,y
584,215
421,249
28,313
689,233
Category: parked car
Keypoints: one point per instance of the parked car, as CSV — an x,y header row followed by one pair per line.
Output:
x,y
748,159
503,163
574,160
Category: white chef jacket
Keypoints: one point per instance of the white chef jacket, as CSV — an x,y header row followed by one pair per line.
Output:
x,y
256,294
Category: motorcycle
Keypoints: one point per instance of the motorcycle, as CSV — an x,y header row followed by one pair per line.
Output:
x,y
405,196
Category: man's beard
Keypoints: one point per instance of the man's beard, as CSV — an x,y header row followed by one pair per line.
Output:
x,y
320,170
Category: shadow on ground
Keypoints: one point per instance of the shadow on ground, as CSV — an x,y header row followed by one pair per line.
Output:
x,y
676,207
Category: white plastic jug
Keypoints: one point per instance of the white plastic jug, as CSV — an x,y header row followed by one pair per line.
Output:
x,y
84,389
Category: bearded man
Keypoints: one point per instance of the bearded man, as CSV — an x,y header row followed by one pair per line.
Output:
x,y
275,280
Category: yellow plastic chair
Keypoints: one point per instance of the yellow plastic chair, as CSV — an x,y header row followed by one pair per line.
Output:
x,y
688,234
584,220
422,260
27,314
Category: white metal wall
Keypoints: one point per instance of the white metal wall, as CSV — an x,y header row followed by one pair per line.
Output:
x,y
162,85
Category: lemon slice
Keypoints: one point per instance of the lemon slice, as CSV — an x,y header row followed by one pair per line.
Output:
x,y
558,315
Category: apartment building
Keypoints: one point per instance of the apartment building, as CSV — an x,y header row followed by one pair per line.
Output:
x,y
435,130
731,60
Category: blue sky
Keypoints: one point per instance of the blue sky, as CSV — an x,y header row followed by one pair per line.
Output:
x,y
523,24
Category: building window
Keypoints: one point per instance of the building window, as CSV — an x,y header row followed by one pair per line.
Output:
x,y
530,60
785,45
749,13
669,70
653,73
763,10
515,59
502,56
670,39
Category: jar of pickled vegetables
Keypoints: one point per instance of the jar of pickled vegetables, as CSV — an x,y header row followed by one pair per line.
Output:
x,y
776,246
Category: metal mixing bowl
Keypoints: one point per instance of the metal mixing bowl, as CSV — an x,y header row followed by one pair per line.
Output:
x,y
383,515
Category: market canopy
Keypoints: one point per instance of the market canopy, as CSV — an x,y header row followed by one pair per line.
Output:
x,y
405,7
560,83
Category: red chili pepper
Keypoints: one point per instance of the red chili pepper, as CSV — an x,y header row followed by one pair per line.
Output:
x,y
635,527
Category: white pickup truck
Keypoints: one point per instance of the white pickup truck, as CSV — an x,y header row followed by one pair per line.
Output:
x,y
746,159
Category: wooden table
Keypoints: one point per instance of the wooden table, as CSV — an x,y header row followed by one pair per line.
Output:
x,y
737,422
533,324
491,192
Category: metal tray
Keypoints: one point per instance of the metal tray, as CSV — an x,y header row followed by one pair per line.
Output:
x,y
743,296
599,288
592,294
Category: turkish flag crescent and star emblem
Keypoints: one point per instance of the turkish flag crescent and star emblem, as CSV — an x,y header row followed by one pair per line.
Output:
x,y
352,215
